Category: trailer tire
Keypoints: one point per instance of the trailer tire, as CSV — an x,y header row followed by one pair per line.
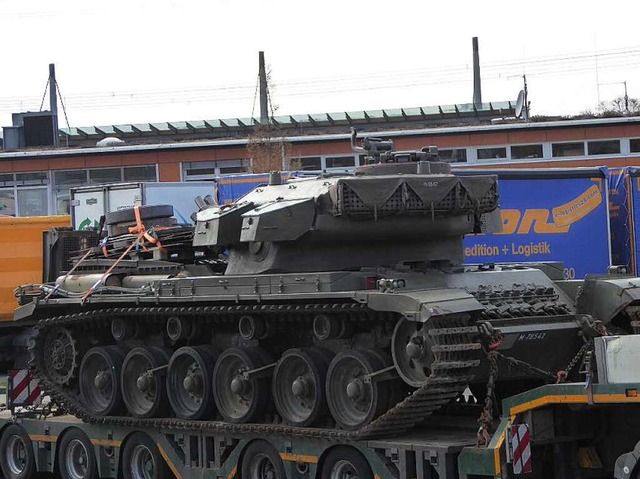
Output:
x,y
76,456
259,458
17,459
141,452
343,462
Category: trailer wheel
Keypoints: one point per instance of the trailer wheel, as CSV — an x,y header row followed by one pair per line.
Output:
x,y
141,459
16,454
345,463
261,460
76,457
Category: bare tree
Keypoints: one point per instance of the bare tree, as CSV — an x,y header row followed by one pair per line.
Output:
x,y
621,105
267,148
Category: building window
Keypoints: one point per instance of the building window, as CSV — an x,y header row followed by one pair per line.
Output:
x,y
24,194
70,178
567,149
455,155
7,202
491,153
32,202
209,170
140,173
524,152
311,163
7,180
340,162
608,147
634,145
231,167
32,179
104,176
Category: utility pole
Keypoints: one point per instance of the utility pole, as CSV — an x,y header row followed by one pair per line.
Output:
x,y
626,98
53,103
526,99
264,92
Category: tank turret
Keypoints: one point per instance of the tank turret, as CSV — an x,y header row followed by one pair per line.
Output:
x,y
409,209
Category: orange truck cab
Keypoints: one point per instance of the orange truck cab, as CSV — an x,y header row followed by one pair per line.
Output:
x,y
21,252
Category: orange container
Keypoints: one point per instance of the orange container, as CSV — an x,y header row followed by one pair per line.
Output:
x,y
21,255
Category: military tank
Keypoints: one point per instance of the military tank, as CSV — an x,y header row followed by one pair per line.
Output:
x,y
330,306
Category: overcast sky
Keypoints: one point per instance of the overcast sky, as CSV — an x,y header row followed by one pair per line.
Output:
x,y
169,60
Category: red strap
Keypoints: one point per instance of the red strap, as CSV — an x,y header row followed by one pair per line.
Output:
x,y
139,227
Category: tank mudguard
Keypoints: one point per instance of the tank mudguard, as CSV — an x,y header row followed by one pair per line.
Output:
x,y
421,305
606,297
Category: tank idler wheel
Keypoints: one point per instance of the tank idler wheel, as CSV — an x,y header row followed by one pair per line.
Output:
x,y
100,380
260,460
189,379
143,381
411,351
239,398
76,456
16,453
141,459
353,400
344,462
60,355
298,386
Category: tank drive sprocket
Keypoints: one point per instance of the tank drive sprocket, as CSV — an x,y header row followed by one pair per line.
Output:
x,y
60,354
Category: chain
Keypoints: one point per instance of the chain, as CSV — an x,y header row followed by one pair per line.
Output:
x,y
562,375
486,417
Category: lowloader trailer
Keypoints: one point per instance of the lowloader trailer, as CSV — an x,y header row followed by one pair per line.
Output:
x,y
572,430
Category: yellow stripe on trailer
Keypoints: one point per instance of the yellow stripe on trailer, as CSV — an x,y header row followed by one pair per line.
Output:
x,y
573,399
106,442
171,465
299,458
42,438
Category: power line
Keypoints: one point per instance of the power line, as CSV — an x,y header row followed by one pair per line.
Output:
x,y
564,65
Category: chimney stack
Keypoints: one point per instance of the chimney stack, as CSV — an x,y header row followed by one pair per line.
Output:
x,y
477,89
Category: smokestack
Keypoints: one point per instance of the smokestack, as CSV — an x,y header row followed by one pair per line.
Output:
x,y
477,89
264,100
53,102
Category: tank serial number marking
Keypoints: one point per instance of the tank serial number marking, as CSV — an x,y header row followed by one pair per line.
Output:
x,y
531,336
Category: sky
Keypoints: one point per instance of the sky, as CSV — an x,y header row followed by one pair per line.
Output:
x,y
139,61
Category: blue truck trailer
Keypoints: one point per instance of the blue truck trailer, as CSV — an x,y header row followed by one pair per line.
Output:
x,y
549,215
624,211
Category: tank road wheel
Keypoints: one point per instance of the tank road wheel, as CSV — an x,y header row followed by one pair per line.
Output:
x,y
143,381
189,382
141,459
99,380
260,460
298,386
352,400
239,399
345,463
411,351
16,454
76,457
60,355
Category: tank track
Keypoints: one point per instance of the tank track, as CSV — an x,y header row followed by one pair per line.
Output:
x,y
455,348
